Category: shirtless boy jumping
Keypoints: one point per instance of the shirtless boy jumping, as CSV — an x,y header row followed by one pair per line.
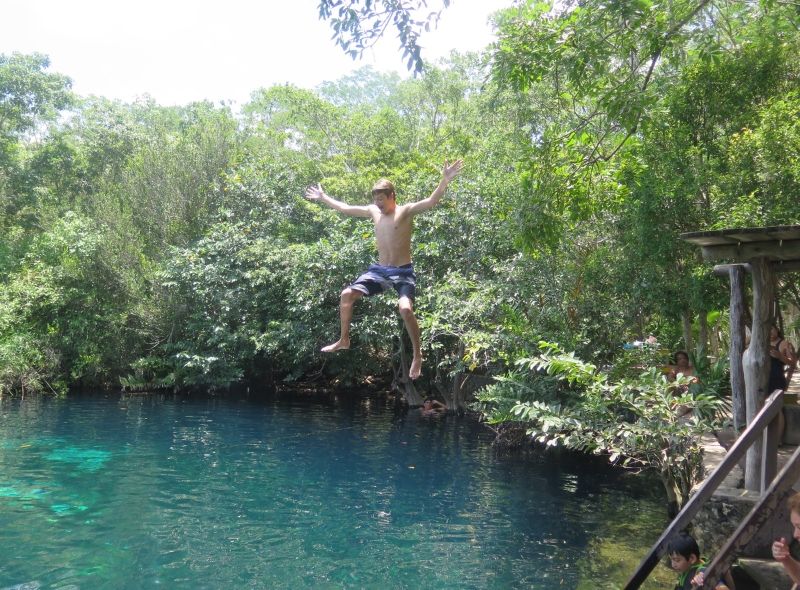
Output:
x,y
394,269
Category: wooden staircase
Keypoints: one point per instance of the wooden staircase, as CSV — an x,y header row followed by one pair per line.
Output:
x,y
765,571
721,499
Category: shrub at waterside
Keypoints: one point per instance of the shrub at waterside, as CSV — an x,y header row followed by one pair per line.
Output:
x,y
639,422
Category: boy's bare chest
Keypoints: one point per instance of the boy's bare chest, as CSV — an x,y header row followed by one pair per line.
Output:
x,y
388,225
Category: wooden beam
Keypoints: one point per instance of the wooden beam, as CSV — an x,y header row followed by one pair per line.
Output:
x,y
769,458
743,234
777,266
723,270
744,251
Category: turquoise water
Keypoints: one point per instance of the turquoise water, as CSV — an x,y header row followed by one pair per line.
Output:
x,y
147,492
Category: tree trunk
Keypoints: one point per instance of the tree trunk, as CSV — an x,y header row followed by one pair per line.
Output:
x,y
457,401
453,391
756,361
401,383
673,495
702,337
445,390
686,318
713,337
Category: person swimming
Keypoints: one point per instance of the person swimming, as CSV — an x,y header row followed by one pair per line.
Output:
x,y
432,407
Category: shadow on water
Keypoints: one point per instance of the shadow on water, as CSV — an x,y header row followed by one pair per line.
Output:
x,y
339,491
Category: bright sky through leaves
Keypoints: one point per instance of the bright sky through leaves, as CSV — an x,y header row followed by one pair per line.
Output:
x,y
178,51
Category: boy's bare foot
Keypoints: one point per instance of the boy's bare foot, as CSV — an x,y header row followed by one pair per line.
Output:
x,y
416,368
338,345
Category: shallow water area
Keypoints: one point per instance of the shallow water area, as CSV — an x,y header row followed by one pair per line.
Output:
x,y
107,491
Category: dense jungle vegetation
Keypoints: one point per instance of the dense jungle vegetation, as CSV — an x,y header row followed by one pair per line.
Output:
x,y
172,246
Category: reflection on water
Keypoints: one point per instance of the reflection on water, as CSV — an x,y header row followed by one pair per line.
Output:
x,y
137,492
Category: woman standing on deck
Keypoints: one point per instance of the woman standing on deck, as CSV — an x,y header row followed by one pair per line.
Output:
x,y
782,353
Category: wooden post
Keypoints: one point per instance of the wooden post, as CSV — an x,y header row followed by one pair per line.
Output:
x,y
769,458
756,362
737,316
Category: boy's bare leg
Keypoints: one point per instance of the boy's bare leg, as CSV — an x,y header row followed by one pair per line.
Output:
x,y
412,327
346,301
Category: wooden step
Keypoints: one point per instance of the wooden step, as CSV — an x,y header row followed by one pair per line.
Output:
x,y
767,573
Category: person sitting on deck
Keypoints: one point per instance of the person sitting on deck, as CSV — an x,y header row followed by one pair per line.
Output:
x,y
781,548
684,557
682,366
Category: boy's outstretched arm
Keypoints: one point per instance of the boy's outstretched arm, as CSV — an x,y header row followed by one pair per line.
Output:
x,y
449,172
315,193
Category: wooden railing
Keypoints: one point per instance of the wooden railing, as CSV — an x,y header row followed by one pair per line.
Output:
x,y
770,501
773,491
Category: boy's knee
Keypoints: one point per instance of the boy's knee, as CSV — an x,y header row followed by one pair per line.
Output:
x,y
406,310
348,295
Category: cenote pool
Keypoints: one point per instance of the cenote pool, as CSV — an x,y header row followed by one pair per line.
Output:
x,y
142,492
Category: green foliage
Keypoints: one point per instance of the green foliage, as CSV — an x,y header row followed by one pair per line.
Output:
x,y
25,366
763,169
634,421
630,363
30,94
358,24
66,310
714,380
639,121
30,100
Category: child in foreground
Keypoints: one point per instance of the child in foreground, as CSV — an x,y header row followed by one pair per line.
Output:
x,y
684,556
780,548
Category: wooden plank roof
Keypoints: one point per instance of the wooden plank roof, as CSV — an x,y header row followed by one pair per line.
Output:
x,y
777,243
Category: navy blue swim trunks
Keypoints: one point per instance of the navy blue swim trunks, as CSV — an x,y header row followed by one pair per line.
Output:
x,y
379,278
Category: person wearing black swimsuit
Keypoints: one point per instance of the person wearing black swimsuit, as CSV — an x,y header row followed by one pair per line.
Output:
x,y
780,356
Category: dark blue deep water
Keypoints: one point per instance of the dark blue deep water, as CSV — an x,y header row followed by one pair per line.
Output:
x,y
167,492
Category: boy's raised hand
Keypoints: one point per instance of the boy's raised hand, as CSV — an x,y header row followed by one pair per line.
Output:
x,y
450,171
314,193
